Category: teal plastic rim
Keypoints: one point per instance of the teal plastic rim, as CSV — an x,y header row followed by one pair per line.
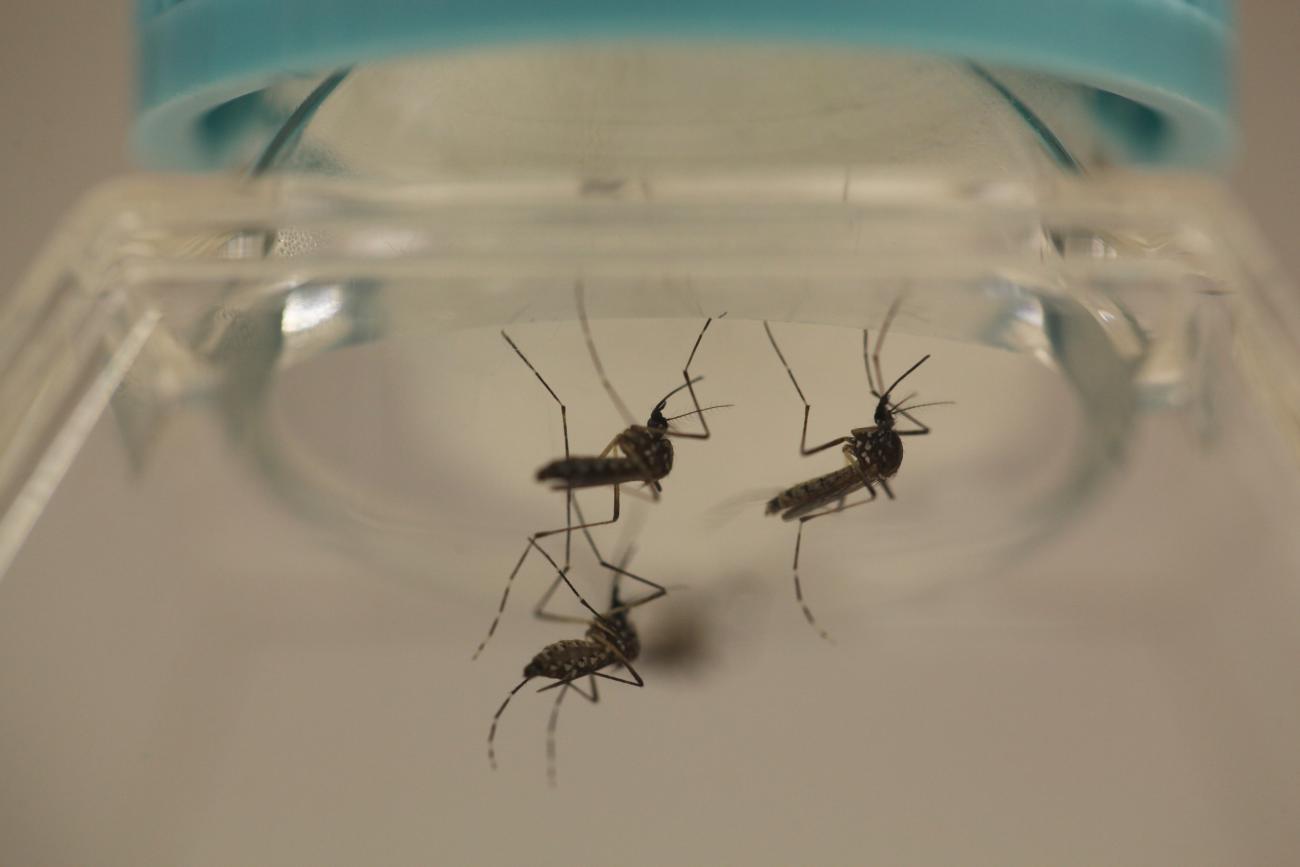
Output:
x,y
1159,68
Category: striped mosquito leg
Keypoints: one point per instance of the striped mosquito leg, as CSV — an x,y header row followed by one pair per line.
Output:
x,y
798,587
580,296
553,724
564,422
496,717
656,589
878,382
504,597
562,575
690,386
798,542
807,407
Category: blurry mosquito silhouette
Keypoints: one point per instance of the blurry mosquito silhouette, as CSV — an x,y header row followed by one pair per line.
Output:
x,y
872,454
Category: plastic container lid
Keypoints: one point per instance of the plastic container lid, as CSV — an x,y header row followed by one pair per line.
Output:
x,y
1159,68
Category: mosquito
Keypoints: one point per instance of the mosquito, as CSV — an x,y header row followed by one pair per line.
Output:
x,y
872,454
639,453
616,617
611,642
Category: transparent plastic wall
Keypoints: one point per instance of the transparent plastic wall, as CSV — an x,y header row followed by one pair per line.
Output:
x,y
267,463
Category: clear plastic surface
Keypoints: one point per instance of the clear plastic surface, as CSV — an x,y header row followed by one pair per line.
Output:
x,y
267,462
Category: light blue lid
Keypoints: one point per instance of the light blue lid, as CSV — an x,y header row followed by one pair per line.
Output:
x,y
1160,67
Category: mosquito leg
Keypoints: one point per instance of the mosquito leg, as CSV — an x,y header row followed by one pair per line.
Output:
x,y
922,428
593,696
807,408
866,362
614,597
496,717
579,292
553,723
690,387
798,588
867,482
564,421
874,361
880,342
540,612
565,578
636,494
562,573
798,542
505,595
583,526
638,681
656,590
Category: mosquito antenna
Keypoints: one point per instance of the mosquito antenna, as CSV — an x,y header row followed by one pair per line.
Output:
x,y
691,382
906,373
896,410
697,411
906,398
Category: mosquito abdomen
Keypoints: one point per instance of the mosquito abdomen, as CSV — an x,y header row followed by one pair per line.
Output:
x,y
569,658
813,493
589,472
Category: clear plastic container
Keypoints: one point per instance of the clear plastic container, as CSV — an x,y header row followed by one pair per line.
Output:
x,y
266,464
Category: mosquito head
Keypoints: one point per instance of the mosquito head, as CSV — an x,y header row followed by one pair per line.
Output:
x,y
884,418
884,412
657,419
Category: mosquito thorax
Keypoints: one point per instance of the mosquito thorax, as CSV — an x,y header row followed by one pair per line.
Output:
x,y
618,630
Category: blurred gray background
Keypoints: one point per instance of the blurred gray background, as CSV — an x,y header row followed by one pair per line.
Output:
x,y
66,97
